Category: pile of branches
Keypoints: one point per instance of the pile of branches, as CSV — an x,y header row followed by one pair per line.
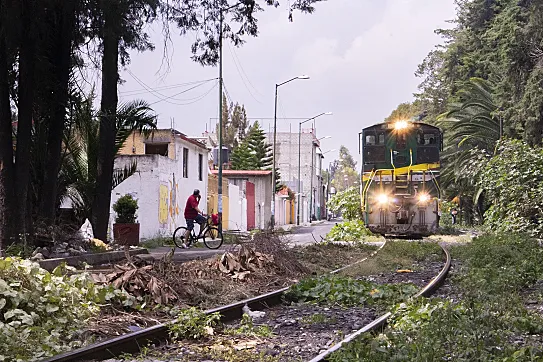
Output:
x,y
284,260
141,281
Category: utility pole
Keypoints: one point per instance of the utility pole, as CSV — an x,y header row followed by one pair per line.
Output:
x,y
220,160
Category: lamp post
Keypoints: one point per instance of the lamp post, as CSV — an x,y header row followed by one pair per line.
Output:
x,y
219,191
272,224
311,199
324,196
300,159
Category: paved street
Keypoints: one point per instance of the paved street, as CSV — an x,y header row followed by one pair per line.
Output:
x,y
299,235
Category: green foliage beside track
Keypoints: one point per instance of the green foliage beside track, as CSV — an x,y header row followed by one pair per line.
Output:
x,y
349,292
353,230
42,313
489,321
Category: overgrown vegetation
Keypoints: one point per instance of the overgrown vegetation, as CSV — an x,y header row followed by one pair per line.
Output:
x,y
353,230
397,255
488,323
42,313
192,323
348,292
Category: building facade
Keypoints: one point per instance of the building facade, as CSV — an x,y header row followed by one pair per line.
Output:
x,y
311,160
170,166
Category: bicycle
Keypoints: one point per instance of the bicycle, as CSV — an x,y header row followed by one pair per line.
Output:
x,y
211,235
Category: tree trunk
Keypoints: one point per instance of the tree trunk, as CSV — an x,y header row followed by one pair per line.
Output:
x,y
25,107
108,110
59,56
6,141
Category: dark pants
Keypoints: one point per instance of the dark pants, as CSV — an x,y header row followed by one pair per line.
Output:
x,y
199,219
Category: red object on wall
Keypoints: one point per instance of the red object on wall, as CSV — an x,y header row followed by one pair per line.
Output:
x,y
250,195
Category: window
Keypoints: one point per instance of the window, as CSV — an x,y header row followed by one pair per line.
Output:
x,y
200,167
381,138
185,162
370,140
156,149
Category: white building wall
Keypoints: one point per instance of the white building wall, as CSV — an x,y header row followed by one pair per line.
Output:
x,y
237,213
161,189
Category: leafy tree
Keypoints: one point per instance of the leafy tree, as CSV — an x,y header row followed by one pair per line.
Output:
x,y
405,111
345,158
345,178
235,124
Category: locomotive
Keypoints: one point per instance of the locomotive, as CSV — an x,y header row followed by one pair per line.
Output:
x,y
400,178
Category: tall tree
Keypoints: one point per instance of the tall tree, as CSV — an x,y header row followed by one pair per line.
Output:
x,y
121,24
56,52
6,140
405,111
346,160
260,149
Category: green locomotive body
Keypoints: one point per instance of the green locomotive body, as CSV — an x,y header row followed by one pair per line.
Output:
x,y
400,178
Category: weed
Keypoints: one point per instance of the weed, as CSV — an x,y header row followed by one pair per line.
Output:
x,y
348,292
156,242
397,255
248,328
192,323
317,318
489,323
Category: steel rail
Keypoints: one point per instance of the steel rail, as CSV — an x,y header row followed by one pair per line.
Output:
x,y
380,322
132,342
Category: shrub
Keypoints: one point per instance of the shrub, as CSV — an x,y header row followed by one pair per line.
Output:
x,y
126,208
354,230
193,323
42,313
347,203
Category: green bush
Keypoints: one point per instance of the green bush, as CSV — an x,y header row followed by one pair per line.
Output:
x,y
353,230
347,203
42,313
513,184
126,208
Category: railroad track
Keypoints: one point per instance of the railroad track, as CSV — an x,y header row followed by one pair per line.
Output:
x,y
132,342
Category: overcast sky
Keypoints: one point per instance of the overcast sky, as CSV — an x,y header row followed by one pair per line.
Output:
x,y
361,56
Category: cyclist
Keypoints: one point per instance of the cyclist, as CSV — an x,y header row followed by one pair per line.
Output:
x,y
192,214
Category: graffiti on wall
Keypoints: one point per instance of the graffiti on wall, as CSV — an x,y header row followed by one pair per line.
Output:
x,y
163,205
174,206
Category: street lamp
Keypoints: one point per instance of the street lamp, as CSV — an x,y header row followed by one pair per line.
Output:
x,y
300,158
274,146
311,208
220,111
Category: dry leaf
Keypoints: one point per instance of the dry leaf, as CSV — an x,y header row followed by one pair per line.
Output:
x,y
404,271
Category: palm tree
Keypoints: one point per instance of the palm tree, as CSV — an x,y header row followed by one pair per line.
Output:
x,y
472,130
77,179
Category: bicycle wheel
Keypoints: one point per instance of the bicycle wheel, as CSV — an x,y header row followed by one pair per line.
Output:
x,y
179,236
213,238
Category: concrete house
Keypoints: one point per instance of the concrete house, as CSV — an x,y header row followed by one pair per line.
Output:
x,y
170,166
256,189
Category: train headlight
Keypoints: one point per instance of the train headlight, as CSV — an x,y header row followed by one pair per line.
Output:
x,y
382,199
424,198
400,125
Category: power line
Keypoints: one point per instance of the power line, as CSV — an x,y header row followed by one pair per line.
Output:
x,y
196,99
172,86
241,75
164,98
